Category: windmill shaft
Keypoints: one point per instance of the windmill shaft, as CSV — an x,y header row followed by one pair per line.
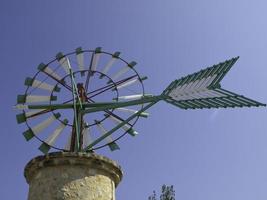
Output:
x,y
76,128
100,106
77,135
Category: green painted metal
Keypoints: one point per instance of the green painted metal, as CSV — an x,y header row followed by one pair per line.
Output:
x,y
195,91
216,102
42,66
65,122
28,134
143,78
21,118
119,126
53,98
28,81
77,122
176,103
132,64
99,106
115,88
57,115
98,50
223,73
113,146
132,132
59,56
79,50
144,96
221,69
44,148
144,114
57,88
116,54
227,99
22,98
124,104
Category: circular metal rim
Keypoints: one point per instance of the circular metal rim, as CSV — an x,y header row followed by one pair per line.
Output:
x,y
114,140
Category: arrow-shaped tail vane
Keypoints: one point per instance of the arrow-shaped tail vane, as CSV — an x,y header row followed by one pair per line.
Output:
x,y
203,90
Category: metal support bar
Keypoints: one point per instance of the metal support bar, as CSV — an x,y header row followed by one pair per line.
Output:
x,y
77,127
120,125
100,106
124,104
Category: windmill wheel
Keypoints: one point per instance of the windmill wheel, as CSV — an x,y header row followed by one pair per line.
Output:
x,y
83,76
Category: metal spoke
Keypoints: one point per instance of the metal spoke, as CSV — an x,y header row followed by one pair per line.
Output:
x,y
47,110
60,82
89,73
111,86
119,126
107,111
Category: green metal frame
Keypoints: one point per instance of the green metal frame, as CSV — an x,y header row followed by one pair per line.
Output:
x,y
229,99
225,99
88,148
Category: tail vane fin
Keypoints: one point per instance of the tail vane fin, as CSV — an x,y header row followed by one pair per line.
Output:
x,y
203,90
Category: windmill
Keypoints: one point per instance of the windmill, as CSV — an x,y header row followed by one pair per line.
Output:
x,y
89,99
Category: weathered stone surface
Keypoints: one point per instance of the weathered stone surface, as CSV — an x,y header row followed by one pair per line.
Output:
x,y
72,176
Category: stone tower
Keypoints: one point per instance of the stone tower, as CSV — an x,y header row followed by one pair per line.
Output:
x,y
72,176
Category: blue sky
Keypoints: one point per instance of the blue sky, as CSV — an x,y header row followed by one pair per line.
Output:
x,y
205,154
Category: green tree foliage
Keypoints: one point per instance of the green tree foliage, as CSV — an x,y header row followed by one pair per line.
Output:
x,y
153,196
167,193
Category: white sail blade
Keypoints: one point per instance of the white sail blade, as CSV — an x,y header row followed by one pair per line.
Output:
x,y
80,60
121,72
124,70
31,113
44,124
21,107
96,58
198,95
193,89
204,83
126,127
41,85
26,115
103,131
108,65
52,138
112,145
65,64
34,98
128,83
37,98
67,146
87,139
52,73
